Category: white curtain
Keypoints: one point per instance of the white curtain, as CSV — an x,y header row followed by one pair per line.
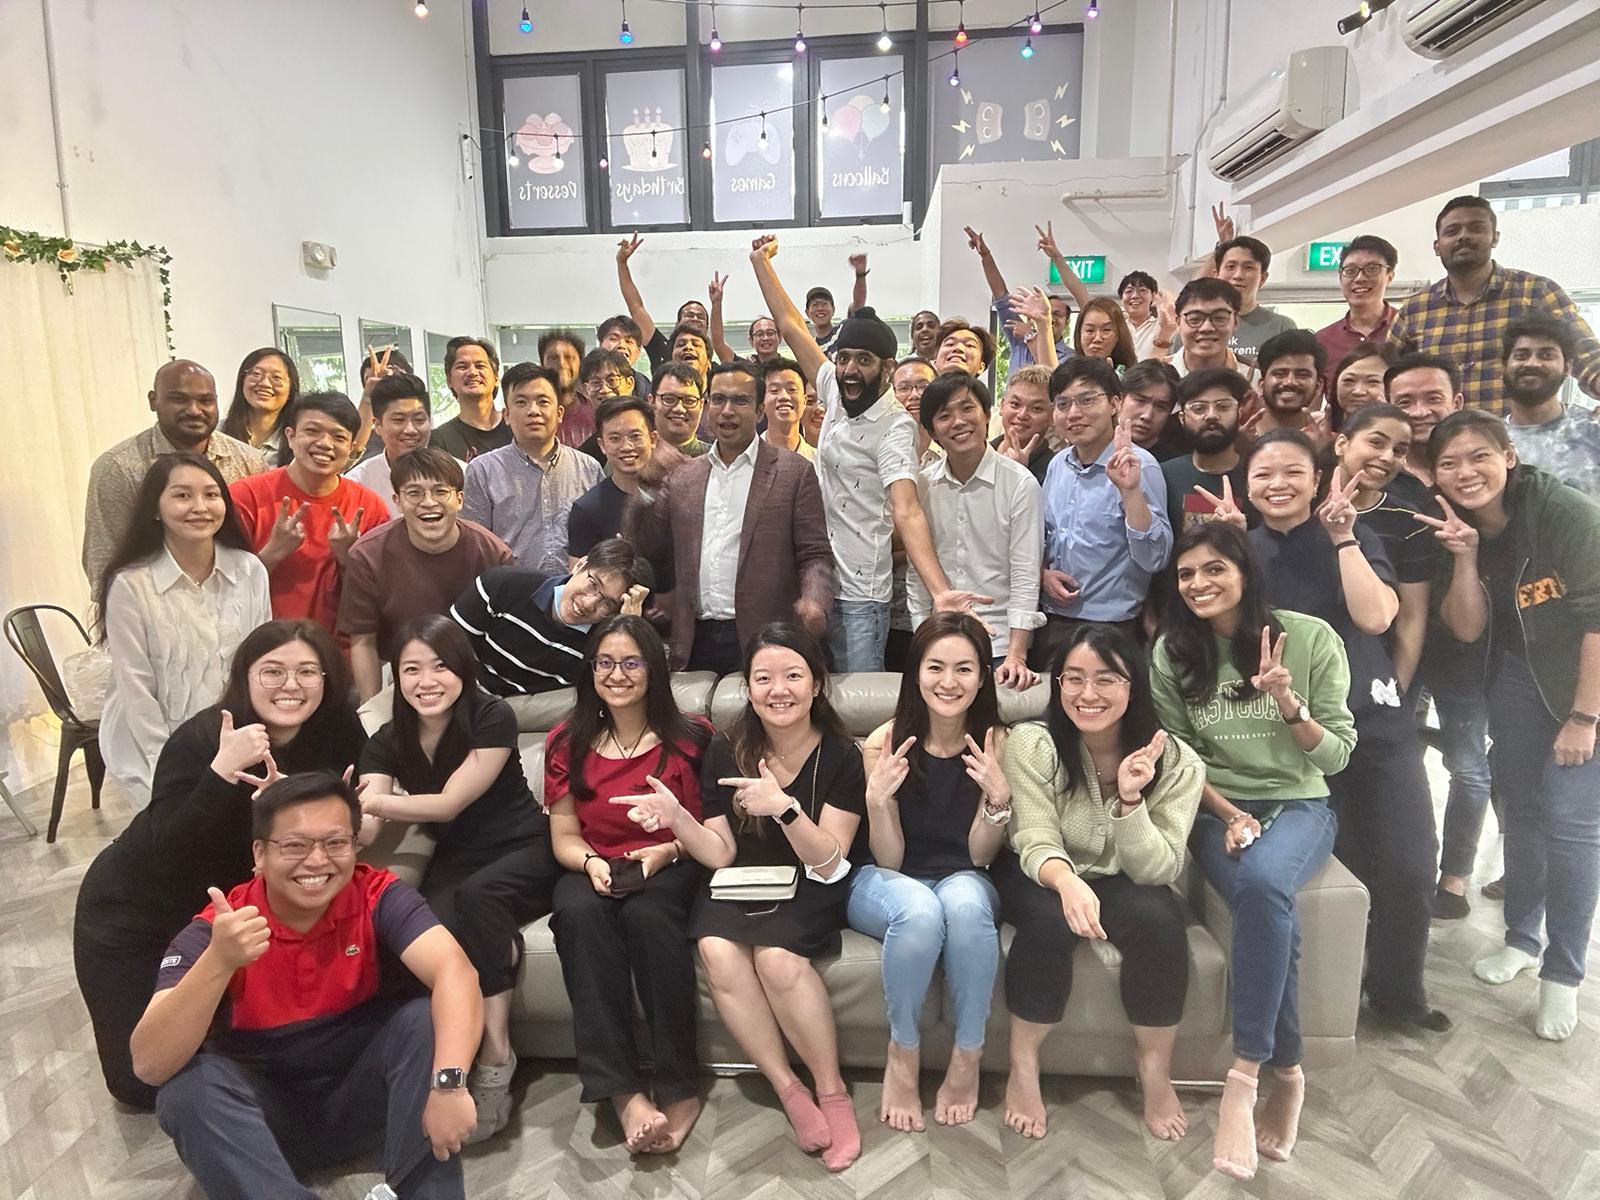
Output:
x,y
75,370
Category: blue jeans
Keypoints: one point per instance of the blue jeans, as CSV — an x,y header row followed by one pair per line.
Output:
x,y
917,920
1463,744
857,634
1260,887
1552,827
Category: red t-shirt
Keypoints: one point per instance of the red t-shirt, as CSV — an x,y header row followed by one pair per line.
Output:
x,y
306,583
605,826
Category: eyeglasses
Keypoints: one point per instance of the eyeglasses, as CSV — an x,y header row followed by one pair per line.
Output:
x,y
618,440
914,387
1204,408
605,605
339,845
275,677
604,664
1217,318
683,400
272,377
611,381
443,493
727,400
1104,681
1364,271
1086,400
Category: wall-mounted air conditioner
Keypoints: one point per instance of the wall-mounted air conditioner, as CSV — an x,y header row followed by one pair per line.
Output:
x,y
1280,112
1438,28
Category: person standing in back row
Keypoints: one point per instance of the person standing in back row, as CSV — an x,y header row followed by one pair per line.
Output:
x,y
472,372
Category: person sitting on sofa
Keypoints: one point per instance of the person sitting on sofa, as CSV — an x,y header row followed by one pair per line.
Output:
x,y
937,807
1260,694
1104,801
790,780
622,903
452,750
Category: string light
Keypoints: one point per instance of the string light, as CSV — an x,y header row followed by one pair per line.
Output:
x,y
885,106
961,38
624,35
653,154
955,68
558,152
762,140
421,9
715,45
1036,23
1092,11
799,28
605,163
1027,48
705,151
824,110
526,24
885,42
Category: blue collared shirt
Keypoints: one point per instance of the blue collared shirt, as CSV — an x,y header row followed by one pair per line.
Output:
x,y
1087,535
1021,352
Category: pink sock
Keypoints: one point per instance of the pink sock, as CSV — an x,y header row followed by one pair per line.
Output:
x,y
810,1127
840,1113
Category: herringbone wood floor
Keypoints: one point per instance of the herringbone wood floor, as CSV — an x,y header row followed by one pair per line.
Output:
x,y
1488,1111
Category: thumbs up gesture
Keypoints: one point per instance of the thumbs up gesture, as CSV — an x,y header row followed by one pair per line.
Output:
x,y
239,748
238,936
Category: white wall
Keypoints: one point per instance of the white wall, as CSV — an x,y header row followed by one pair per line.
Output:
x,y
230,131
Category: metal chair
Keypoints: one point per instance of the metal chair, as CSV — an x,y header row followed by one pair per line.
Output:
x,y
26,634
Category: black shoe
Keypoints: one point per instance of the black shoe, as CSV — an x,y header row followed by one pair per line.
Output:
x,y
1429,1019
1447,906
1495,890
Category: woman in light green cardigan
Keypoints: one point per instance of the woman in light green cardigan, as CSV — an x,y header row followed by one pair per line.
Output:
x,y
1102,802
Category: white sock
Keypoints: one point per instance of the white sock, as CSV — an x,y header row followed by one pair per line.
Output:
x,y
1504,965
1558,1011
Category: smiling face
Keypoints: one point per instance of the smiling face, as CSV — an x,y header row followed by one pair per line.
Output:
x,y
735,411
1147,411
784,399
472,375
430,687
191,506
1375,453
1465,240
910,381
1097,335
299,889
961,350
1363,277
924,331
429,508
811,419
1291,384
1093,692
961,425
1535,370
1282,483
764,337
627,441
286,688
266,384
692,312
562,358
321,446
606,383
621,677
949,677
1240,268
691,348
782,688
1427,398
184,401
820,310
1472,471
860,376
1360,384
590,596
1025,412
1085,416
1204,328
622,342
678,407
1136,302
534,414
1211,584
405,425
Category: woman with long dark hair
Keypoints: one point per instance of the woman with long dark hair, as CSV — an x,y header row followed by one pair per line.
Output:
x,y
937,807
286,707
1259,694
1357,381
622,783
1102,331
180,593
789,780
264,391
452,750
1104,802
1525,569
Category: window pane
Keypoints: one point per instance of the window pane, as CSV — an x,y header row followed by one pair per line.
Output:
x,y
752,181
545,117
1008,108
862,151
647,178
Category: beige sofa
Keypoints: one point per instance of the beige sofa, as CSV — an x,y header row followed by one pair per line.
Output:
x,y
1094,1039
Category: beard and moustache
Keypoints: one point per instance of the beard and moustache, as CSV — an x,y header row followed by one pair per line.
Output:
x,y
1213,437
1527,386
872,388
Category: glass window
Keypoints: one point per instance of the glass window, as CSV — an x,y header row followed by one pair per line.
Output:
x,y
646,148
753,157
444,401
544,186
379,334
315,340
861,152
1007,108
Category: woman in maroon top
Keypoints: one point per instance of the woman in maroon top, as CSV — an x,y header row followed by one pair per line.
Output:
x,y
620,774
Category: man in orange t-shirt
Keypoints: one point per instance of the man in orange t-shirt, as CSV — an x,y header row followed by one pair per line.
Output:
x,y
302,519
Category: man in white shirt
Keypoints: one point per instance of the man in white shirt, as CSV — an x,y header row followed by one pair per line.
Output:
x,y
1149,314
1208,314
986,514
401,419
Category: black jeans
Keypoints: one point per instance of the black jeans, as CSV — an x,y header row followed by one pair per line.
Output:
x,y
1144,922
716,648
1386,837
609,946
485,901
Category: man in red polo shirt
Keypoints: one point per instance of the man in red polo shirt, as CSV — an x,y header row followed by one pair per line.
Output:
x,y
267,1036
1366,269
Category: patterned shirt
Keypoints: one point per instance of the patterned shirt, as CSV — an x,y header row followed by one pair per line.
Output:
x,y
526,503
1568,448
1435,322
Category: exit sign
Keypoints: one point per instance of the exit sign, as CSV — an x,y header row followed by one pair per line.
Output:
x,y
1324,256
1091,268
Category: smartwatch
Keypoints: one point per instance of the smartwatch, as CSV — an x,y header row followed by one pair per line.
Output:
x,y
449,1079
1583,718
791,814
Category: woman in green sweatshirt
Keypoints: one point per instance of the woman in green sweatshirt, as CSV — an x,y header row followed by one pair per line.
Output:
x,y
1259,693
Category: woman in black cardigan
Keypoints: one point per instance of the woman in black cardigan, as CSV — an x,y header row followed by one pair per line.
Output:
x,y
287,707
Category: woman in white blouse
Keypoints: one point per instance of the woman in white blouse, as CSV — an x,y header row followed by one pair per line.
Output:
x,y
177,598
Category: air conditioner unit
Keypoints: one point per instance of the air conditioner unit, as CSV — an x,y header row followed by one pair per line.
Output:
x,y
1280,112
1438,28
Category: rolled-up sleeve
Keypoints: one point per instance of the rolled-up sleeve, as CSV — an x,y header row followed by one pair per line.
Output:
x,y
1027,556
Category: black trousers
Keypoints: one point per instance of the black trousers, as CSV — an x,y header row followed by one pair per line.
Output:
x,y
485,901
607,947
1386,837
1144,922
716,648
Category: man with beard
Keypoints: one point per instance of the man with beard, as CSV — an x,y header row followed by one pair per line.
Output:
x,y
867,465
1366,269
1025,420
783,403
1292,365
472,372
1208,408
1149,395
1464,316
1208,314
1538,353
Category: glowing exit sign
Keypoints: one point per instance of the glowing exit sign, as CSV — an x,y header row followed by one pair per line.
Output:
x,y
1091,268
1324,256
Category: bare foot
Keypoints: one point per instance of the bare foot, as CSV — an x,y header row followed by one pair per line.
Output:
x,y
957,1100
1234,1152
681,1116
642,1121
902,1100
1025,1110
1163,1111
1280,1116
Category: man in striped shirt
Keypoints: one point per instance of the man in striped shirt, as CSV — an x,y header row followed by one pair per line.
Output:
x,y
1464,316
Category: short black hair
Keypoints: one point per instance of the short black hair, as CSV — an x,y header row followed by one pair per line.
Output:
x,y
1099,371
1197,383
682,372
457,344
946,388
1292,342
426,462
551,337
623,324
398,362
393,388
594,361
1541,325
1423,362
1208,287
986,345
331,404
737,366
1152,371
1372,244
525,372
618,556
1255,247
777,366
305,787
1140,278
613,407
693,330
1456,202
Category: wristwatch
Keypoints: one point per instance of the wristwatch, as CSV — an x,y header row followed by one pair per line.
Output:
x,y
1583,718
791,814
449,1079
1299,715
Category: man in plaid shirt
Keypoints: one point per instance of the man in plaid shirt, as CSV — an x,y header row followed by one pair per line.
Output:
x,y
1464,316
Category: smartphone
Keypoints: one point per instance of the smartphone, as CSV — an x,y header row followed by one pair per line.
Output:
x,y
627,875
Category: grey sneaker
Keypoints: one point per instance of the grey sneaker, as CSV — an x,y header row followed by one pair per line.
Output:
x,y
491,1092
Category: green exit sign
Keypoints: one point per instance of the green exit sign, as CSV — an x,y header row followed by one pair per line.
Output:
x,y
1091,268
1324,256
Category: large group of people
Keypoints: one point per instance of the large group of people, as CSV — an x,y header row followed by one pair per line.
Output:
x,y
1241,556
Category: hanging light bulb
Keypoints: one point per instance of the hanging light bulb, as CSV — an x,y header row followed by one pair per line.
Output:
x,y
653,154
885,106
762,140
705,151
511,158
715,45
955,69
558,153
885,42
799,28
824,110
1027,48
625,35
961,38
1092,11
526,24
1036,24
421,9
605,163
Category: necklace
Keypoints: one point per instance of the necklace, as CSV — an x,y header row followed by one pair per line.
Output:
x,y
629,751
784,756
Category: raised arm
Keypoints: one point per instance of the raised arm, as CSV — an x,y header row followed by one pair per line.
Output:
x,y
791,322
858,292
717,332
991,272
1465,608
1371,601
1069,277
630,290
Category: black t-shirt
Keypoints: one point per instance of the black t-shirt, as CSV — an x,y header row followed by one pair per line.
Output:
x,y
1497,566
936,814
504,817
1167,448
658,348
833,774
1409,543
595,516
1038,461
1186,507
465,441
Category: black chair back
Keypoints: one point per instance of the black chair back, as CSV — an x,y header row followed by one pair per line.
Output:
x,y
25,632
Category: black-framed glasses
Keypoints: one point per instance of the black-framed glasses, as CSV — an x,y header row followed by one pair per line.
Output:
x,y
338,845
277,677
604,664
1217,319
1362,271
683,400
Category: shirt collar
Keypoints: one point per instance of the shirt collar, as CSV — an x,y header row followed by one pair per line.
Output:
x,y
1389,314
748,454
547,464
165,571
987,471
1497,278
1077,463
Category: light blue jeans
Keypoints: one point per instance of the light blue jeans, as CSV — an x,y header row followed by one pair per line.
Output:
x,y
857,633
917,920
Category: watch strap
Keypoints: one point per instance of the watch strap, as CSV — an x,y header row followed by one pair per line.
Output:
x,y
1578,717
449,1079
791,814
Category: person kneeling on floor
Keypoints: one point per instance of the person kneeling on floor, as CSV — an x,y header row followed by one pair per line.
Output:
x,y
267,1037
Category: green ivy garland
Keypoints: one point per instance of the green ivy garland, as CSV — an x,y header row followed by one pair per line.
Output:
x,y
68,257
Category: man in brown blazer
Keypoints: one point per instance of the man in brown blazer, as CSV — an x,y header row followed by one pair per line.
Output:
x,y
745,531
